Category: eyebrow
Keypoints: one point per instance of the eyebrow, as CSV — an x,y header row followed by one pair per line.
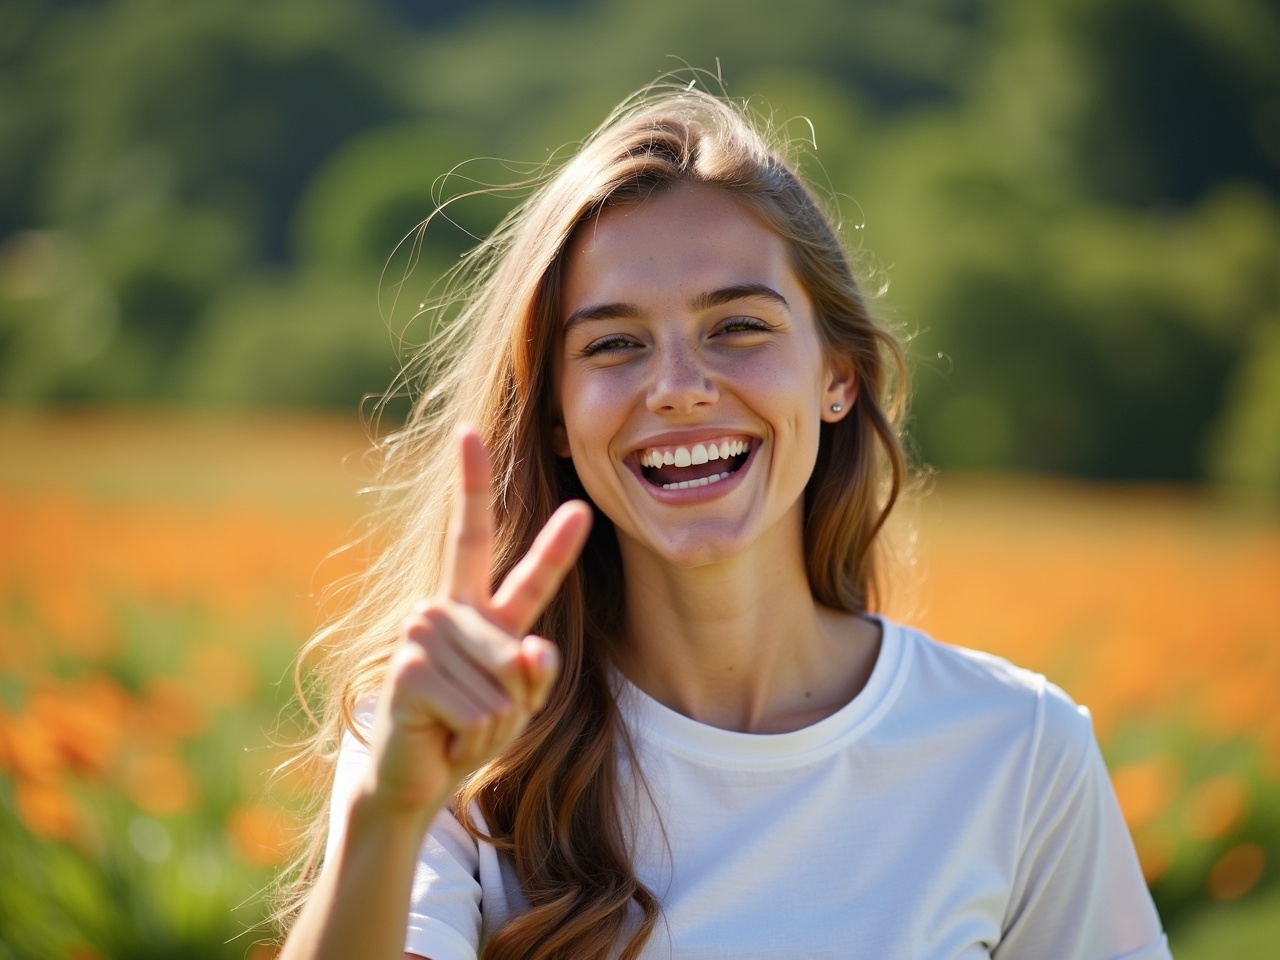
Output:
x,y
703,301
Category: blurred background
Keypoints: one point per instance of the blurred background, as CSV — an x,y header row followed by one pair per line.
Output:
x,y
1071,209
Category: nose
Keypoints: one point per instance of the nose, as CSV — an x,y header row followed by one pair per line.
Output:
x,y
680,381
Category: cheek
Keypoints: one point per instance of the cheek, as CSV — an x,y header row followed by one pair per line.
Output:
x,y
782,383
592,408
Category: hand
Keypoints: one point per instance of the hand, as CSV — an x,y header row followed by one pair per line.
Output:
x,y
465,679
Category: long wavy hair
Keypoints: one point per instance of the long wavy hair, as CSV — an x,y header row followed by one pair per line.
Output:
x,y
551,801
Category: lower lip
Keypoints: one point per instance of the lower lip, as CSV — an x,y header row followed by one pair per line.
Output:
x,y
688,496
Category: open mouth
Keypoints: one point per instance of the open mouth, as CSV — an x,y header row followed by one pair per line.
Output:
x,y
681,467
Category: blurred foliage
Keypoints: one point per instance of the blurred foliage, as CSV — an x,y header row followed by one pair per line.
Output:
x,y
1075,204
150,608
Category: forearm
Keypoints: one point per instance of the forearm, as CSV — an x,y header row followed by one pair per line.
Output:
x,y
359,907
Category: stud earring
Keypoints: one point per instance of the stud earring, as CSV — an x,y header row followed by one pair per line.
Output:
x,y
836,408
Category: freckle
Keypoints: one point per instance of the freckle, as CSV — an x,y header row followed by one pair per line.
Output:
x,y
808,694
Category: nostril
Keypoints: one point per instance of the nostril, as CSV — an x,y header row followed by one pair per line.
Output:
x,y
682,394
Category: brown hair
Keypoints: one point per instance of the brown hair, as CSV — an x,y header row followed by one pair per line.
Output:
x,y
551,801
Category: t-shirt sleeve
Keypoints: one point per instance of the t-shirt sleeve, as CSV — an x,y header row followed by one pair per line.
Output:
x,y
1078,891
444,916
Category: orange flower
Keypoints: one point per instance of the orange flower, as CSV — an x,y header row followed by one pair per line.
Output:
x,y
1156,848
1145,789
46,809
33,750
1270,737
170,710
221,675
1237,871
160,784
1215,807
261,834
86,721
6,756
1238,699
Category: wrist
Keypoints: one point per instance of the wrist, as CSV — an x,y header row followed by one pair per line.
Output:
x,y
372,809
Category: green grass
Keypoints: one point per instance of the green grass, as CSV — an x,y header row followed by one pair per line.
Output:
x,y
1245,930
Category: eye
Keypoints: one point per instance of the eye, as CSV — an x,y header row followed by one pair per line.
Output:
x,y
613,343
743,325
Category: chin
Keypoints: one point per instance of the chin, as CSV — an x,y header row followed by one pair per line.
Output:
x,y
699,548
702,556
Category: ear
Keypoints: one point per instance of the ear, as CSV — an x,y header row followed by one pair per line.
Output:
x,y
560,439
841,388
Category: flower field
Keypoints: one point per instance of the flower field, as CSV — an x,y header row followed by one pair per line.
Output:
x,y
158,574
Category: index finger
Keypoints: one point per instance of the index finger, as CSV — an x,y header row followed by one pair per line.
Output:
x,y
469,546
532,582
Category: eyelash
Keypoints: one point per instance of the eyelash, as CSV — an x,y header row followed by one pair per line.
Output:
x,y
746,324
604,344
616,340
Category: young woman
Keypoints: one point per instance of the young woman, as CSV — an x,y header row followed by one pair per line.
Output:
x,y
708,746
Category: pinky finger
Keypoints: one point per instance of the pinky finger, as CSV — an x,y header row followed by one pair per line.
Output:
x,y
472,744
541,667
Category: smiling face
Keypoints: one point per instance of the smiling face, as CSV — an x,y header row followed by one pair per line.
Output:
x,y
691,378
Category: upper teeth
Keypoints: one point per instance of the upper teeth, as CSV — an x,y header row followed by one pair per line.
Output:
x,y
698,453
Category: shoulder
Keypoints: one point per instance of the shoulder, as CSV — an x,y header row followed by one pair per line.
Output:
x,y
960,687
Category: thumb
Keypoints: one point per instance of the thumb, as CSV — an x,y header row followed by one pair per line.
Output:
x,y
541,660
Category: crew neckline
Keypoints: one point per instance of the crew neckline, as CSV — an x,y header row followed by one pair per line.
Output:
x,y
656,723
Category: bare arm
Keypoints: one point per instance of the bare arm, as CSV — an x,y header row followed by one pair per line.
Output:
x,y
359,906
462,683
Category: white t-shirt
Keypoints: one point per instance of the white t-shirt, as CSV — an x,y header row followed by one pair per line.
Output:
x,y
958,807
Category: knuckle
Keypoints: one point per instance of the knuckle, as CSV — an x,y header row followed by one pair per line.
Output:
x,y
420,614
423,634
408,681
404,660
534,584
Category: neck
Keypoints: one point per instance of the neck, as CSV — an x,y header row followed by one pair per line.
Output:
x,y
741,644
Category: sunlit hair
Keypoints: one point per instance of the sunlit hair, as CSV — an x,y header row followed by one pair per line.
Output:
x,y
551,801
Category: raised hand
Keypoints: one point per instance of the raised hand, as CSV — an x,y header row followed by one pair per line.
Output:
x,y
465,678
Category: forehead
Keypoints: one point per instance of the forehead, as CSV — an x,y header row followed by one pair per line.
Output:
x,y
684,241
